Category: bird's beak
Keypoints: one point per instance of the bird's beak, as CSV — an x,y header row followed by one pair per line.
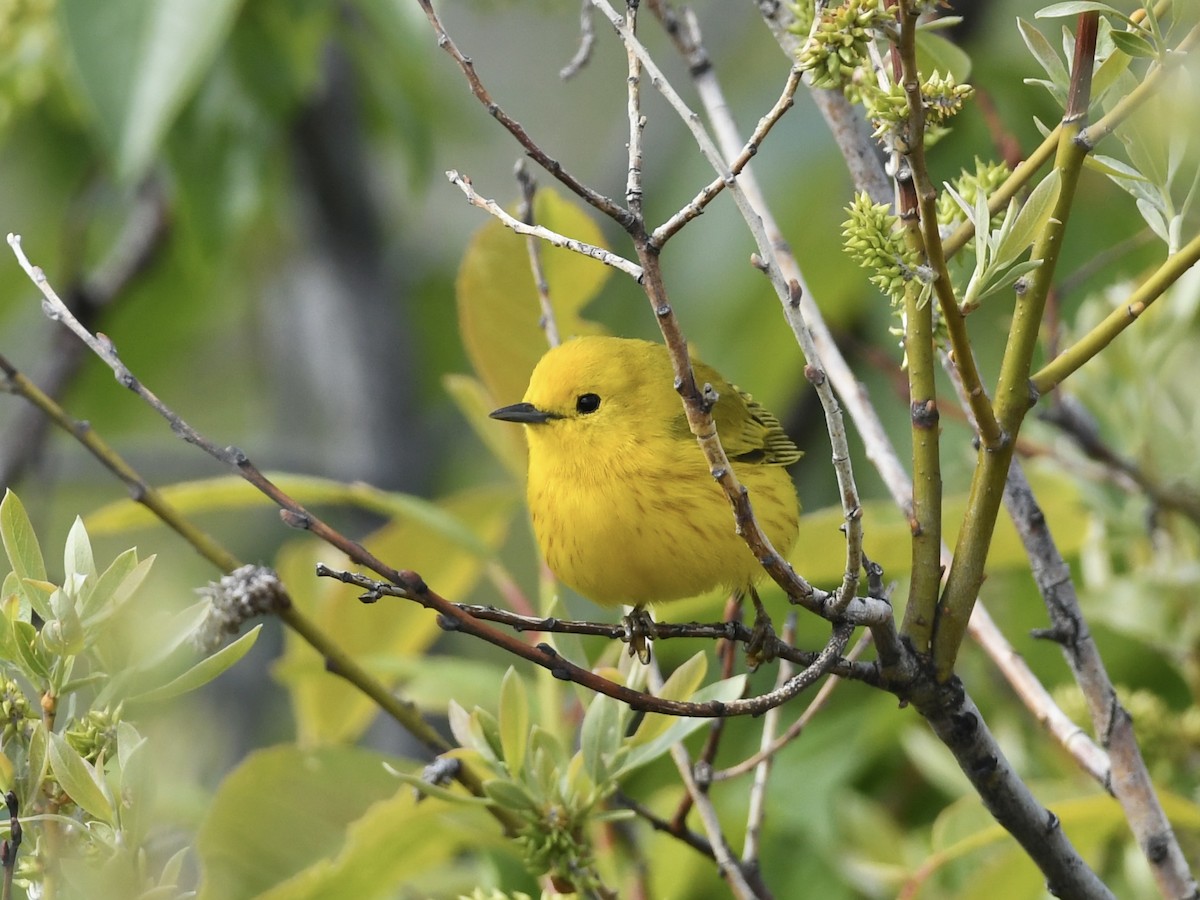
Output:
x,y
525,413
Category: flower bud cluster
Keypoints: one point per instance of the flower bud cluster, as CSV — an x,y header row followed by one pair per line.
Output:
x,y
16,715
838,44
987,177
95,735
873,239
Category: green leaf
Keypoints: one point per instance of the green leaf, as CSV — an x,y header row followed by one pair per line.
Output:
x,y
509,795
1031,220
77,554
25,636
24,552
474,402
427,789
600,736
109,580
138,61
1133,44
80,779
498,308
106,599
285,816
682,684
1045,55
230,493
204,671
680,728
514,721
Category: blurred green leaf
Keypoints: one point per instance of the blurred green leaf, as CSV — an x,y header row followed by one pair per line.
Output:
x,y
314,798
681,685
514,721
937,54
230,493
138,61
474,402
204,671
24,552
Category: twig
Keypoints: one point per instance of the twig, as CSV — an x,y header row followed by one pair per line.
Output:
x,y
931,240
551,237
756,805
525,212
658,823
536,153
463,618
133,251
769,749
587,40
732,871
737,165
1070,360
847,124
727,630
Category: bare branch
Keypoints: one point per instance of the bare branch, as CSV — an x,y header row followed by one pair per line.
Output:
x,y
551,237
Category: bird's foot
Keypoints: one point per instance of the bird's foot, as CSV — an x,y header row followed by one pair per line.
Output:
x,y
762,644
639,634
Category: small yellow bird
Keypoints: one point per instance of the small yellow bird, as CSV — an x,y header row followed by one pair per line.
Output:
x,y
624,507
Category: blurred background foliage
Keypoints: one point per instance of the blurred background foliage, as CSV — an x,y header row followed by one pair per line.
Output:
x,y
306,285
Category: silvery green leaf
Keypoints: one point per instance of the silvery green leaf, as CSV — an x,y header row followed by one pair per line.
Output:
x,y
1031,219
1075,7
1044,54
1154,218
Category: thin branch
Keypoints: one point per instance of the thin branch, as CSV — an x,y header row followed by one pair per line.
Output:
x,y
587,40
756,804
536,153
737,165
728,864
551,237
1073,358
850,129
770,748
637,121
532,244
727,630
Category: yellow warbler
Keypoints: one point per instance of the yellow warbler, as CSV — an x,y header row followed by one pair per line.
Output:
x,y
624,507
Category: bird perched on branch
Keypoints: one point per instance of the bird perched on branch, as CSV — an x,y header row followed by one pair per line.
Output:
x,y
624,506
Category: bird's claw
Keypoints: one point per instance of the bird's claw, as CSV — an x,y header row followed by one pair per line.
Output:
x,y
762,644
639,634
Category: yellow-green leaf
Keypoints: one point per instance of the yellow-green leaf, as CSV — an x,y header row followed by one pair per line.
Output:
x,y
498,308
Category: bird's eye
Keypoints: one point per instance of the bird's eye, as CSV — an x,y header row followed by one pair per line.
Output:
x,y
587,403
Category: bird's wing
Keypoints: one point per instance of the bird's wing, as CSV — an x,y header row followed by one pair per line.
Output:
x,y
749,432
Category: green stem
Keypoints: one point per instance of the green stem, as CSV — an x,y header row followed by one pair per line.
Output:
x,y
1070,360
1013,393
960,343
